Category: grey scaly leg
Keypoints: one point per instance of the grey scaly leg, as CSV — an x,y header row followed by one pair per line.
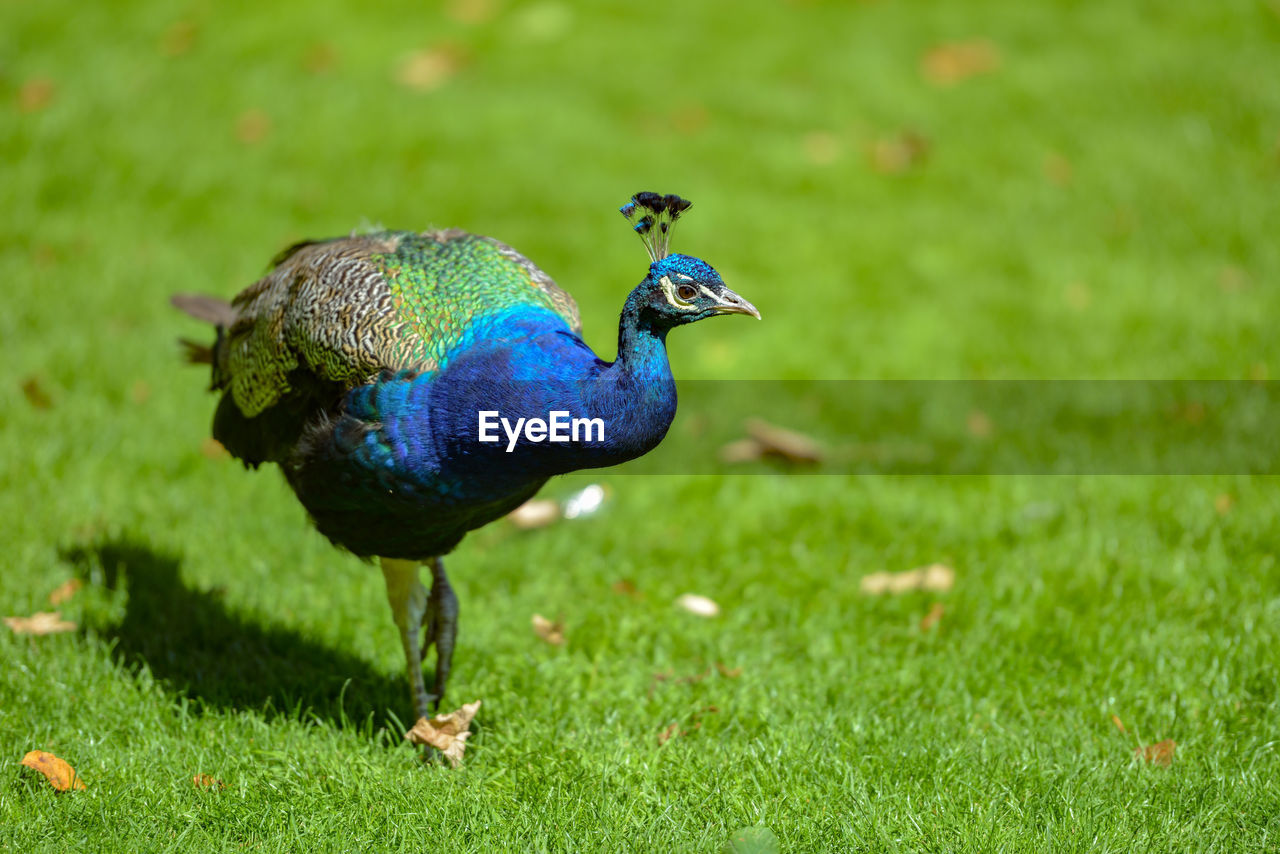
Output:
x,y
409,602
442,624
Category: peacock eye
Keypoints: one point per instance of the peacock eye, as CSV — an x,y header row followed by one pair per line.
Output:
x,y
686,292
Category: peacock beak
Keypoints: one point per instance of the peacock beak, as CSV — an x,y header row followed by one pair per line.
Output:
x,y
731,303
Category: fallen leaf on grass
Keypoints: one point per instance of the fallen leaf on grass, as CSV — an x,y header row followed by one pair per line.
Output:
x,y
40,623
931,619
673,730
935,577
1115,719
979,424
535,513
446,733
1057,169
35,94
728,673
948,64
627,587
65,591
253,126
212,449
1223,504
179,38
893,155
698,605
1160,753
58,772
428,70
208,781
320,57
688,118
33,391
741,451
769,440
551,632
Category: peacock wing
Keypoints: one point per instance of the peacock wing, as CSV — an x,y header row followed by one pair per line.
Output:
x,y
347,309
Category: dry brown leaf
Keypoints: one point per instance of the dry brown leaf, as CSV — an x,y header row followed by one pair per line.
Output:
x,y
741,451
1223,504
786,444
446,733
673,730
65,591
58,772
179,38
979,425
140,393
40,623
931,619
535,513
627,587
212,449
699,605
1160,753
727,673
429,69
1057,169
321,57
551,632
35,95
1115,719
33,391
689,118
208,781
893,155
695,677
1233,280
935,577
253,126
948,64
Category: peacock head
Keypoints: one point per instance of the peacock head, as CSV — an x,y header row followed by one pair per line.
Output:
x,y
679,288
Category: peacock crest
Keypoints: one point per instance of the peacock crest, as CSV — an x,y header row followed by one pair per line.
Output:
x,y
658,214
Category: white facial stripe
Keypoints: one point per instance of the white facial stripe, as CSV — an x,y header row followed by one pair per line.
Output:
x,y
669,291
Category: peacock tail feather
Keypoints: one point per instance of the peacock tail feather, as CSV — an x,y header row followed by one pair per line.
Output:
x,y
348,309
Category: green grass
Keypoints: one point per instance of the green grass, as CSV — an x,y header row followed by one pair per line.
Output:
x,y
219,635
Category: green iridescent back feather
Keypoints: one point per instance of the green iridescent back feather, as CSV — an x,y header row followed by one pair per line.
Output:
x,y
348,309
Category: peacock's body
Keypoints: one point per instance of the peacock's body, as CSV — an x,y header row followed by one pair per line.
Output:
x,y
367,368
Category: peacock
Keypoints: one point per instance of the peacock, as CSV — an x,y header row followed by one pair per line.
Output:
x,y
414,386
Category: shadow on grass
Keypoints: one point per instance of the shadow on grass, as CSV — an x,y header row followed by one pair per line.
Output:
x,y
199,649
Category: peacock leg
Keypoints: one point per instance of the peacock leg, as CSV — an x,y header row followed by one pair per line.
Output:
x,y
442,625
409,604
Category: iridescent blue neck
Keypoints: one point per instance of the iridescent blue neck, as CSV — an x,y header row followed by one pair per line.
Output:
x,y
637,387
642,344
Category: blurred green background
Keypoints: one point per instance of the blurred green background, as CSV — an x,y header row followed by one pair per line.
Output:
x,y
969,190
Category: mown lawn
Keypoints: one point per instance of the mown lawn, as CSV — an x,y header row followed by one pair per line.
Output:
x,y
1100,199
